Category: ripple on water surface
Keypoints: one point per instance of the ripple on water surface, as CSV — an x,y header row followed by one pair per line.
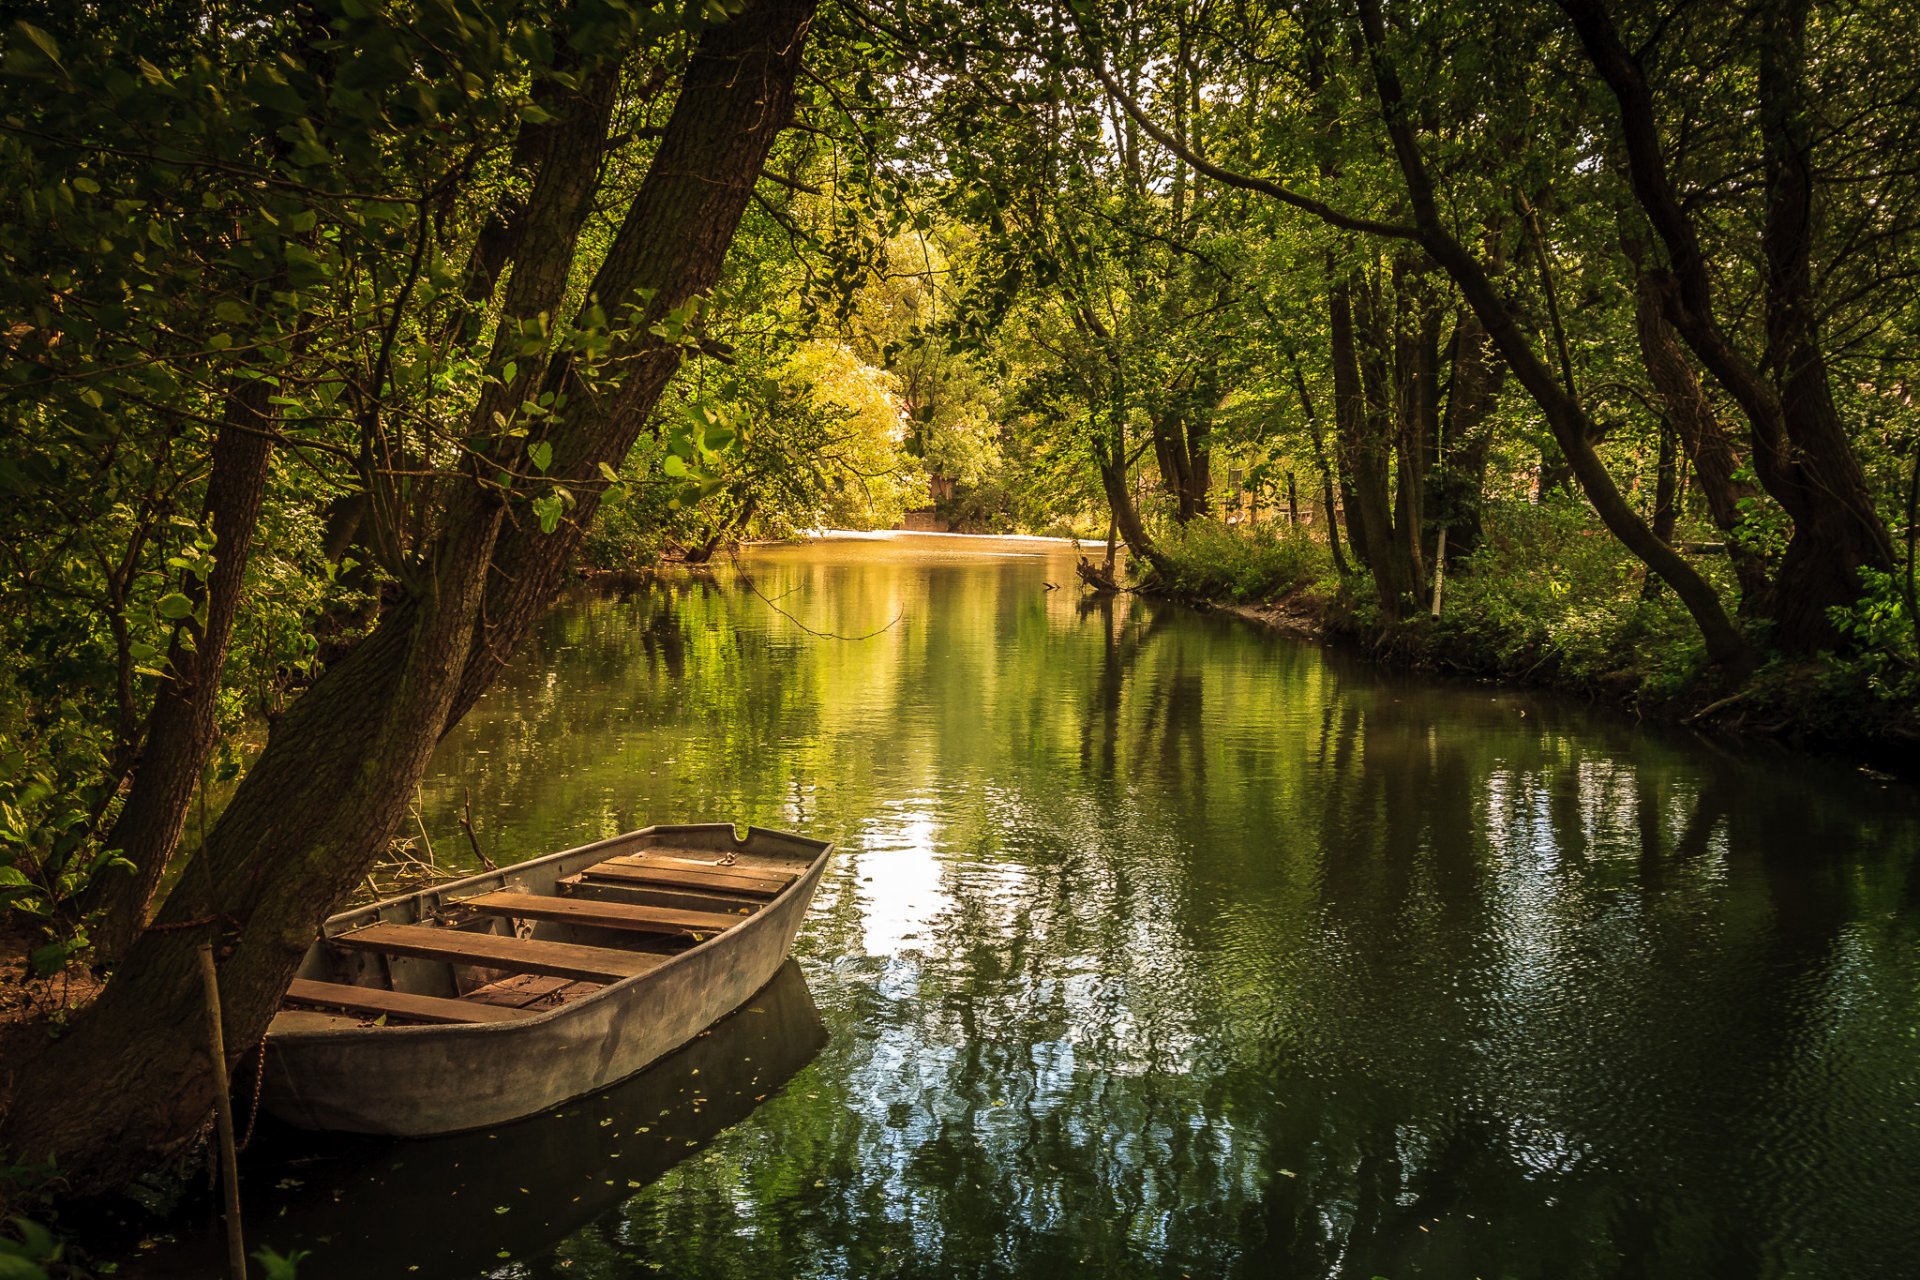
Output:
x,y
1158,946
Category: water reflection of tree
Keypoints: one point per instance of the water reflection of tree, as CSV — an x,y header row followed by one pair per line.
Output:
x,y
1124,629
1205,915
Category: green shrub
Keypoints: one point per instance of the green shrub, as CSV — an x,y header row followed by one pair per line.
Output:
x,y
29,1252
1550,595
1240,563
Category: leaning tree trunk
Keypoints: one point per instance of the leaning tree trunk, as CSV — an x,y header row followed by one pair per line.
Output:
x,y
182,725
129,1083
672,244
1110,458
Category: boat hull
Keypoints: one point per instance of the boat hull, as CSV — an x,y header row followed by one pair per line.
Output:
x,y
416,1081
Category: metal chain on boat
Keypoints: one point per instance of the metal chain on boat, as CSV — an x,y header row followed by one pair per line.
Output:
x,y
727,859
201,923
259,1079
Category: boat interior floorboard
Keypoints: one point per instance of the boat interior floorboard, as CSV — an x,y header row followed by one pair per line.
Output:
x,y
531,991
313,1020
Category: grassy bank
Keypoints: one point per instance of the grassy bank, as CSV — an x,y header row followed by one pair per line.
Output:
x,y
1547,599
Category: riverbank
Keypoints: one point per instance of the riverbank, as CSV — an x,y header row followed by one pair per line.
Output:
x,y
1811,706
1542,606
1544,601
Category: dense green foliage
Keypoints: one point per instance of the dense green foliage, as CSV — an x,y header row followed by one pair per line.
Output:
x,y
1549,597
1214,561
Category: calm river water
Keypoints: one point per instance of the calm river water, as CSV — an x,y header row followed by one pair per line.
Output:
x,y
1159,946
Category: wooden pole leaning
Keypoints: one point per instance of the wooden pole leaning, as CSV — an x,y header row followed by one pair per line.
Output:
x,y
223,1117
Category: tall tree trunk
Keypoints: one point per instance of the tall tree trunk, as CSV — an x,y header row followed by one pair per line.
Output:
x,y
1416,360
1665,498
1182,440
1374,331
1327,508
182,724
1360,432
129,1083
1716,461
1180,447
1843,534
1477,375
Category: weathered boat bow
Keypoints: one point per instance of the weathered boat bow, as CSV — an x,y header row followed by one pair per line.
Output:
x,y
500,995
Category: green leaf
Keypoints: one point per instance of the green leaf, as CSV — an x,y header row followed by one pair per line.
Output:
x,y
608,474
173,605
41,41
278,1267
51,958
540,455
87,185
36,1240
13,1267
674,465
547,508
304,270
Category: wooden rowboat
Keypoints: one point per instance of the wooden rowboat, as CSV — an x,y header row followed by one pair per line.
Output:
x,y
487,999
357,1203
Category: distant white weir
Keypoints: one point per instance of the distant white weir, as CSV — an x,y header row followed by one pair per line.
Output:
x,y
902,535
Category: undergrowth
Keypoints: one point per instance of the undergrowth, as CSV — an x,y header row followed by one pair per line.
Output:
x,y
1240,564
1549,596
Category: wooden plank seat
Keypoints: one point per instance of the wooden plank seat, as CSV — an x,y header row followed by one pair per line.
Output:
x,y
601,915
313,1020
399,1004
620,871
678,859
495,951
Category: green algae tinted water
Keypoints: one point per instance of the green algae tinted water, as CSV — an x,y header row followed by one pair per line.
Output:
x,y
1158,946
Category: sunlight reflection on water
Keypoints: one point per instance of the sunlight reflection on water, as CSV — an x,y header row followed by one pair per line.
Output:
x,y
1158,946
